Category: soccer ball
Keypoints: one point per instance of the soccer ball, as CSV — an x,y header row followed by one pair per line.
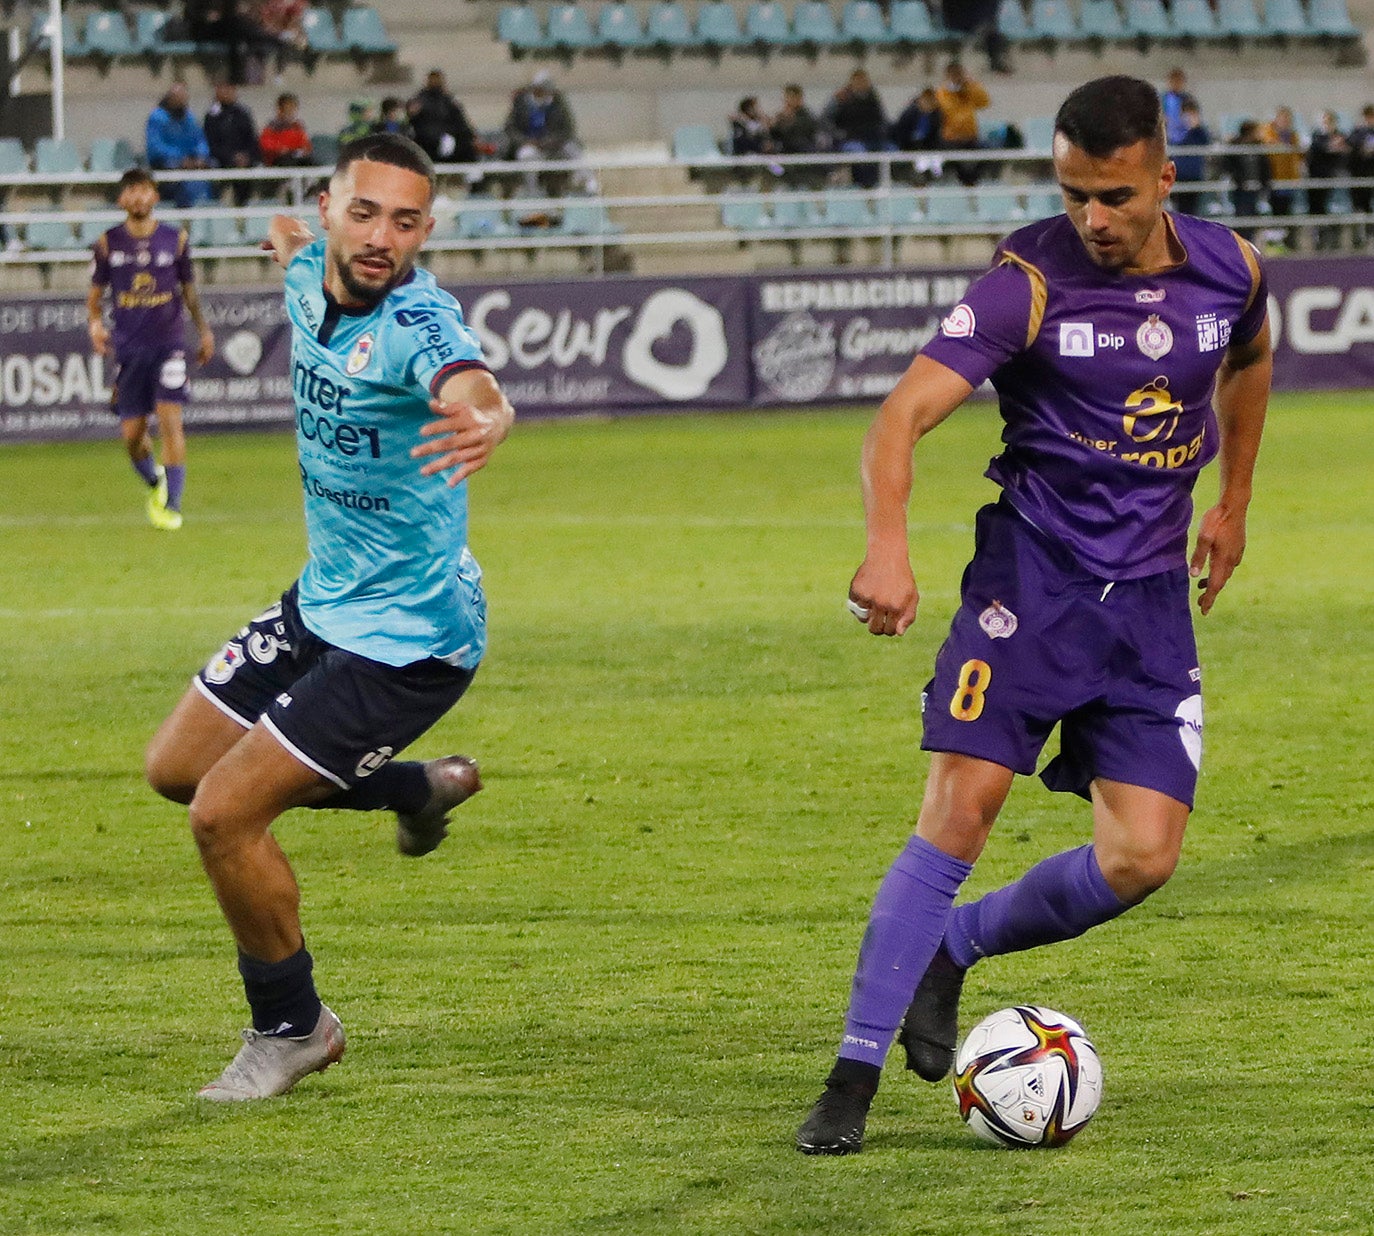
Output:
x,y
1027,1076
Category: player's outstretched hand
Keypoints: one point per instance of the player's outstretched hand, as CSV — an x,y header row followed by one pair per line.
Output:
x,y
286,237
100,338
462,439
883,596
1220,547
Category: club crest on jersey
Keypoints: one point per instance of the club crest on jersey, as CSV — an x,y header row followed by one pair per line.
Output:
x,y
959,323
360,356
1154,337
997,621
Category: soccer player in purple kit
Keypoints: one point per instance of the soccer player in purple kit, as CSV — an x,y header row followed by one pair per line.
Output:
x,y
147,267
1128,346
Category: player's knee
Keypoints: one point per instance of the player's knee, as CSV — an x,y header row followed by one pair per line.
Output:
x,y
210,826
1133,874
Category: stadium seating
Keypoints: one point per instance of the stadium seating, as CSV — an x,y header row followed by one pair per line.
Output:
x,y
570,29
1239,20
1148,19
1101,20
1285,17
794,212
363,33
587,219
1332,18
72,43
1053,21
862,25
1012,21
695,143
900,210
845,208
813,25
1194,19
911,25
13,160
619,28
45,234
108,37
321,34
112,155
743,216
520,27
718,26
668,27
766,26
55,157
482,222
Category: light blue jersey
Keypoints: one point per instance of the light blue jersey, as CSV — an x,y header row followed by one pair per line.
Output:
x,y
390,576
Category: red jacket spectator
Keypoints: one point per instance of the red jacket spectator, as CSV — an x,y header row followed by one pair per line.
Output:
x,y
284,141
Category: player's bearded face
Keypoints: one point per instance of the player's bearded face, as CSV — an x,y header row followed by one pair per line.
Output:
x,y
376,217
1116,203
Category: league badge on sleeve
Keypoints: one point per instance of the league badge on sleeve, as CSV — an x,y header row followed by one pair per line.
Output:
x,y
360,356
1154,337
959,323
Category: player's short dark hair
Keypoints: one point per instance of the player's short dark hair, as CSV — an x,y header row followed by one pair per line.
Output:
x,y
136,176
390,148
1105,114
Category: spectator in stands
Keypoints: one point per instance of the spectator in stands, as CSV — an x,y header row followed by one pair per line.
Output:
x,y
1361,142
441,125
1283,165
284,22
232,137
749,132
394,118
1172,99
1248,169
979,19
855,114
175,141
961,99
231,23
541,126
1328,156
362,121
1190,167
796,131
920,127
284,141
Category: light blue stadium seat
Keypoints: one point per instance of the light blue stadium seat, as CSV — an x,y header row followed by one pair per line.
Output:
x,y
362,31
55,157
107,35
519,27
326,148
150,35
1332,18
1239,19
483,222
570,29
1053,19
1148,19
745,216
766,25
49,234
1038,132
111,155
88,231
1042,203
718,25
669,27
619,27
255,229
695,143
1195,19
813,24
13,160
998,206
948,208
1012,21
900,210
587,219
73,44
794,212
862,25
321,34
911,25
846,208
1285,17
220,232
1101,19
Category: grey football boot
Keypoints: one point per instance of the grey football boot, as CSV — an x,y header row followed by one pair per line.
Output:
x,y
453,779
269,1064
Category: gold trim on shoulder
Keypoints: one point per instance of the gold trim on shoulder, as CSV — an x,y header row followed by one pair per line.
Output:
x,y
1247,251
1039,288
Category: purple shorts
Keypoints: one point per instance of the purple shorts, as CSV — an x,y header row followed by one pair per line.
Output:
x,y
148,378
1037,640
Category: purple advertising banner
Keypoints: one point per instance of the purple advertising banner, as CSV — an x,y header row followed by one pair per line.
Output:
x,y
627,345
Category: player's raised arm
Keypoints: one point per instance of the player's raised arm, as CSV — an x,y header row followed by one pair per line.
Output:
x,y
1242,401
474,419
884,585
286,237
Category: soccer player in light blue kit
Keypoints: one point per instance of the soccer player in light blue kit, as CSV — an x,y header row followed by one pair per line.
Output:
x,y
307,705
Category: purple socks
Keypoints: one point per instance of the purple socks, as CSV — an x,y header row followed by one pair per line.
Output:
x,y
176,483
146,467
904,930
1057,899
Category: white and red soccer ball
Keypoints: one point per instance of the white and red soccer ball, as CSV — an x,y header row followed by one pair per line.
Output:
x,y
1027,1076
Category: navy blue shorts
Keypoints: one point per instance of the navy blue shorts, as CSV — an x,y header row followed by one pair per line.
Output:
x,y
337,712
1038,642
148,378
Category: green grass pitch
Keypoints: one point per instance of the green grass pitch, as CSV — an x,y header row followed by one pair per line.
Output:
x,y
604,1005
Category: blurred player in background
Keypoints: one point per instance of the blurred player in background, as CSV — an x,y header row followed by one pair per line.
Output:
x,y
384,630
1108,332
147,267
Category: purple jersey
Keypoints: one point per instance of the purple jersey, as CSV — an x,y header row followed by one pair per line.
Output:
x,y
1105,383
144,275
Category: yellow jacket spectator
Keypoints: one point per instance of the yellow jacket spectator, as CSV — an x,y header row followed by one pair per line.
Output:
x,y
961,99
